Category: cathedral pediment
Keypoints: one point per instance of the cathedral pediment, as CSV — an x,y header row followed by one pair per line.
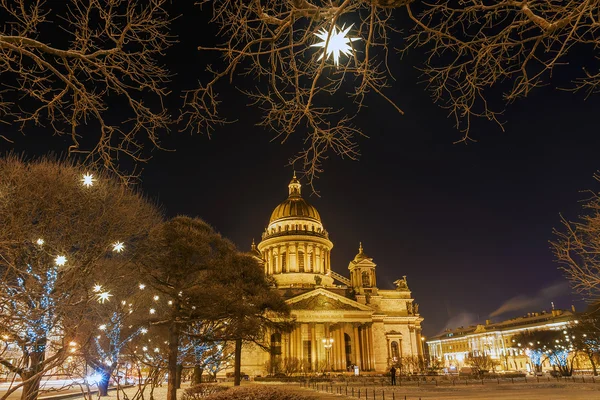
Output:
x,y
323,300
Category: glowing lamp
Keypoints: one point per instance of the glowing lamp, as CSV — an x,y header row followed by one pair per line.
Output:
x,y
104,296
88,180
338,43
60,260
118,247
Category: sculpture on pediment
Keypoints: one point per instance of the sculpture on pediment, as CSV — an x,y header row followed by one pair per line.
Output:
x,y
318,280
416,308
409,308
401,284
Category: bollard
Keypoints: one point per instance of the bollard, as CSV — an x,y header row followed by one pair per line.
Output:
x,y
482,381
512,380
382,395
538,379
436,383
359,393
393,396
525,378
466,382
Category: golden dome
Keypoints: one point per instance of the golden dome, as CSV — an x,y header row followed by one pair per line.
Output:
x,y
294,206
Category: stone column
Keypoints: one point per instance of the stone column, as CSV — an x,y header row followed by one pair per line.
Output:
x,y
371,348
336,346
356,346
328,260
313,346
299,343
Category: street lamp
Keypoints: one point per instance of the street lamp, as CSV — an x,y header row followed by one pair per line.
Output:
x,y
328,344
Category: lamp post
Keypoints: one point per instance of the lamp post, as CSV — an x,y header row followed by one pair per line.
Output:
x,y
328,344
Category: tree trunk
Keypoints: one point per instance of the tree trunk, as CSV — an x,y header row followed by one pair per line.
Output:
x,y
33,376
238,360
103,383
172,367
178,377
591,357
197,377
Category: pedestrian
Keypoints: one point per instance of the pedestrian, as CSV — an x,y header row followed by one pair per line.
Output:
x,y
393,375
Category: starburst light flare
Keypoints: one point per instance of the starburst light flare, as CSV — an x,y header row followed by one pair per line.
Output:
x,y
97,288
40,242
104,296
88,180
338,44
118,247
60,260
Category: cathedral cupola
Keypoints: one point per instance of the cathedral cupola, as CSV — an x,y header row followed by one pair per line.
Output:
x,y
295,187
295,246
362,273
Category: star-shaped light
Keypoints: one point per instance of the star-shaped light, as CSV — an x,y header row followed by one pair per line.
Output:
x,y
60,260
40,242
102,327
104,296
338,44
142,286
152,311
88,180
144,331
97,288
118,247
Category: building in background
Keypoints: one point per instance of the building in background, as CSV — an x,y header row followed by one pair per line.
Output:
x,y
340,322
496,340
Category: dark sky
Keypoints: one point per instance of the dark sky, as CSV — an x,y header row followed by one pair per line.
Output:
x,y
467,224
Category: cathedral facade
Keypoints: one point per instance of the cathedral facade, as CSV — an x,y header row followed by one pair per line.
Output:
x,y
340,322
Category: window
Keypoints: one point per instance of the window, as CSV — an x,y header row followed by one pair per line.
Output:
x,y
395,351
300,261
366,282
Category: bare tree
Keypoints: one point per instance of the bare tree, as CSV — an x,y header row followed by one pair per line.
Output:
x,y
271,41
55,229
472,46
576,246
475,45
66,63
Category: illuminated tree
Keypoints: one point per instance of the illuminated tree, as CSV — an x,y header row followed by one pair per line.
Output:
x,y
59,221
576,246
587,336
187,264
557,346
63,64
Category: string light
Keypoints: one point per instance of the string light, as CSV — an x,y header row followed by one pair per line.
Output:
x,y
142,286
338,43
156,298
40,242
102,327
152,311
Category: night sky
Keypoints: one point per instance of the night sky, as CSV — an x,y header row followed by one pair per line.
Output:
x,y
467,224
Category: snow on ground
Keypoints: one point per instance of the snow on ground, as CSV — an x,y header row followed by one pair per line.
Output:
x,y
542,391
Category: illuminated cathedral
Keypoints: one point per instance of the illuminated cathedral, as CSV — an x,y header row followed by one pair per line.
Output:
x,y
341,323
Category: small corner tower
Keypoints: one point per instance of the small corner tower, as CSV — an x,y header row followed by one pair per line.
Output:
x,y
362,273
